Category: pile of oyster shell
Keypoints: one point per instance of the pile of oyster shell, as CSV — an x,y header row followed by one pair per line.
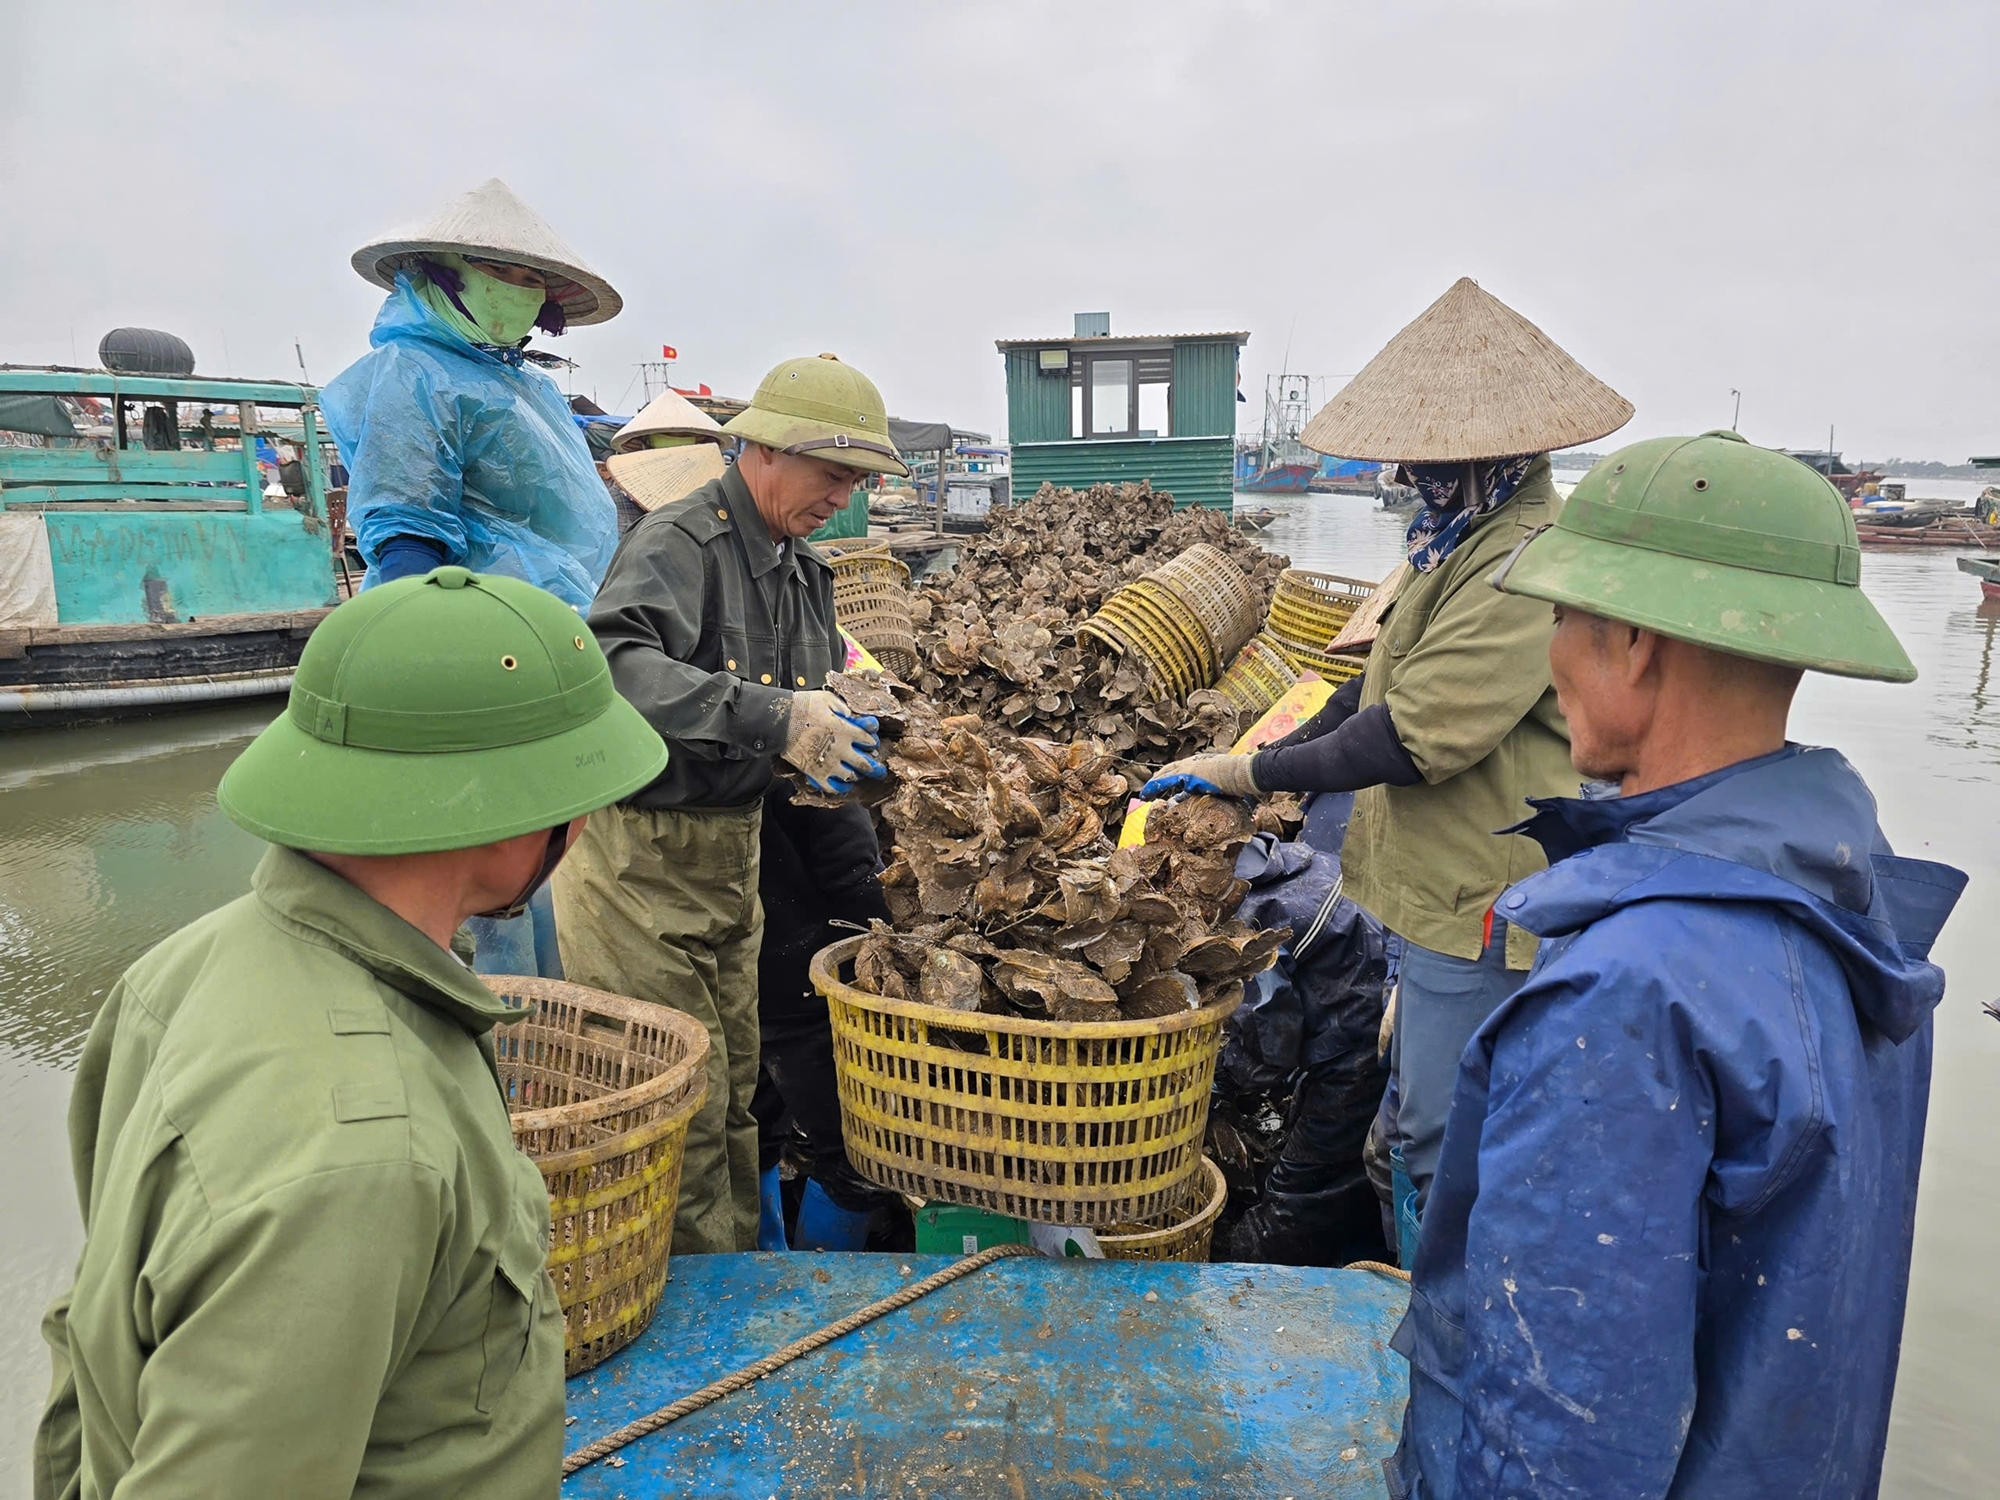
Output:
x,y
1007,894
997,635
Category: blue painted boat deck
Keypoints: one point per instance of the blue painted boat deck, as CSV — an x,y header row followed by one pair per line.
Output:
x,y
1033,1377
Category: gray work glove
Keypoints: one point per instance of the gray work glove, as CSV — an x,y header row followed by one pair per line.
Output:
x,y
830,745
1223,775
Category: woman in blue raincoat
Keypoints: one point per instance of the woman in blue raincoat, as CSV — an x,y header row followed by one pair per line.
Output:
x,y
458,452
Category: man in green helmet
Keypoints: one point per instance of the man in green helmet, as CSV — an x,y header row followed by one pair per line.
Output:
x,y
717,619
1669,1237
313,1262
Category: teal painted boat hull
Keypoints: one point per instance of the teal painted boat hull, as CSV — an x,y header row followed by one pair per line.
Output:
x,y
115,568
1056,1379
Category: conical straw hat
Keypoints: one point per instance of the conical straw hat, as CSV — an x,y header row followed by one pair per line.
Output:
x,y
490,221
659,476
1470,378
667,415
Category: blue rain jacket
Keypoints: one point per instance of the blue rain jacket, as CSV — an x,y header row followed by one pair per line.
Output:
x,y
1667,1247
445,440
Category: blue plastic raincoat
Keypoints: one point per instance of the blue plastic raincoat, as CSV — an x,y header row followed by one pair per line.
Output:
x,y
445,440
1667,1247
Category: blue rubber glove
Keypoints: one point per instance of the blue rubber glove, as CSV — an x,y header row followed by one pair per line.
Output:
x,y
407,557
830,745
1217,775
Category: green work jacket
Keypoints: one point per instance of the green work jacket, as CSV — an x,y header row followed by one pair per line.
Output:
x,y
1465,672
314,1263
709,630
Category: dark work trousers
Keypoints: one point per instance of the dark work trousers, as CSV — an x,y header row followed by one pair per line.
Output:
x,y
818,866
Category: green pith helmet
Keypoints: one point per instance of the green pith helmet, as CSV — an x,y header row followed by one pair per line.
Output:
x,y
821,408
441,712
1712,540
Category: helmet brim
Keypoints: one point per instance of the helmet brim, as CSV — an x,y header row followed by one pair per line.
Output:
x,y
292,789
773,430
1742,611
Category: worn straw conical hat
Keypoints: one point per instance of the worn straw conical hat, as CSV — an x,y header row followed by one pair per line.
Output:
x,y
1470,378
490,221
668,415
658,476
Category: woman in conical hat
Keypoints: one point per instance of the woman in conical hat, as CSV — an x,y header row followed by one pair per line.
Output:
x,y
669,450
457,451
1454,724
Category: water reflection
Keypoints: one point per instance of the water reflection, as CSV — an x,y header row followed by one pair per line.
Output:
x,y
112,839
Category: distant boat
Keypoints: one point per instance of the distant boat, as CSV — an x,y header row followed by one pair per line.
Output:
x,y
1987,571
173,539
1345,476
1256,520
1825,462
1274,479
1278,463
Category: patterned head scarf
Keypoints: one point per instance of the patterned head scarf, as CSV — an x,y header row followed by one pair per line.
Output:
x,y
1448,511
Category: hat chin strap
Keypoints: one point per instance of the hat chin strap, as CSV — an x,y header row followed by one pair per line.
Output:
x,y
840,440
552,856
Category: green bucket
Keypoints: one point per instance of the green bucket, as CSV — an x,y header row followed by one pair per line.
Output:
x,y
956,1229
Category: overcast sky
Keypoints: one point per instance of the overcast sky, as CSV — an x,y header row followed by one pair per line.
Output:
x,y
1795,200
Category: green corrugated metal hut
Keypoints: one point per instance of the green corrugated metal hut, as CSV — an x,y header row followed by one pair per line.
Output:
x,y
1092,409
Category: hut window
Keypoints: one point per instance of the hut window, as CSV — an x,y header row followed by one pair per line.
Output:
x,y
1112,404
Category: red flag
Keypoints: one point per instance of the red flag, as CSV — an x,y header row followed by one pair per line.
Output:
x,y
668,351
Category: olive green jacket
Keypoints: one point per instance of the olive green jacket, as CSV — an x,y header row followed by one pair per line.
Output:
x,y
709,630
314,1261
1465,672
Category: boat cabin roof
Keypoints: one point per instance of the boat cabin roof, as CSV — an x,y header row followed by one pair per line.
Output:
x,y
63,380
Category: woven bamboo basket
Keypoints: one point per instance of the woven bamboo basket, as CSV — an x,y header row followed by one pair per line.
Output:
x,y
1098,1124
877,615
867,564
890,640
1257,678
1214,589
1182,1235
600,1090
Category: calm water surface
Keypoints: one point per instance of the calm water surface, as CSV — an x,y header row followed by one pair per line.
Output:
x,y
110,838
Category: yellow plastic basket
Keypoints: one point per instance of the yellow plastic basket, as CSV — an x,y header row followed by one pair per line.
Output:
x,y
1129,630
600,1090
1335,669
1257,678
1098,1124
1183,1235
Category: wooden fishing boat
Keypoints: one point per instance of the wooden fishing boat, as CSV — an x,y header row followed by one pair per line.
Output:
x,y
1945,531
1987,571
171,554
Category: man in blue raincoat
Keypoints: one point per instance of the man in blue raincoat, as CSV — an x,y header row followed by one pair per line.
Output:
x,y
456,451
1668,1242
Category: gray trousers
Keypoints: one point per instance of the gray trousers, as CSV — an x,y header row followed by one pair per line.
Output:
x,y
1441,1002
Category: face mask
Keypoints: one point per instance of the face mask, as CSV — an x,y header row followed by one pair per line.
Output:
x,y
507,313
